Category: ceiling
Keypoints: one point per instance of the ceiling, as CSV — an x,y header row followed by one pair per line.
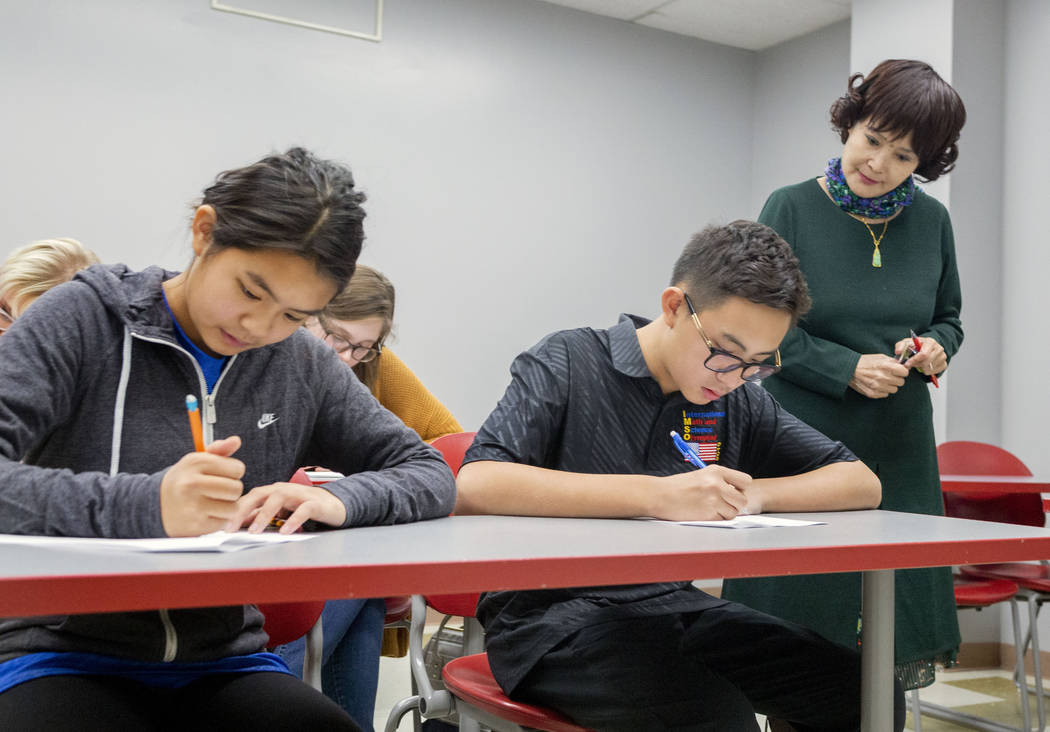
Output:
x,y
749,24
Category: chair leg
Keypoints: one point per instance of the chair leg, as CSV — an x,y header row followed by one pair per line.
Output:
x,y
916,711
473,642
1019,671
399,710
312,655
1037,669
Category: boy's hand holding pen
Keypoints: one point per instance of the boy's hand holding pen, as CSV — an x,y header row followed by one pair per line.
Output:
x,y
705,494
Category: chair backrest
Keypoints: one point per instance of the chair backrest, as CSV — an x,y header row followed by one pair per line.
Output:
x,y
962,457
288,621
453,447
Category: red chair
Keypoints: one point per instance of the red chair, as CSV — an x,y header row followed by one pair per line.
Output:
x,y
977,594
470,690
978,585
285,622
453,447
288,621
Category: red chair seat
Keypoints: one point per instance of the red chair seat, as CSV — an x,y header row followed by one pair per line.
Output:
x,y
469,678
288,621
397,609
463,605
971,592
1033,577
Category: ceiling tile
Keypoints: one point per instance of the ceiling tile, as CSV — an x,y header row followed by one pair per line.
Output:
x,y
622,9
749,24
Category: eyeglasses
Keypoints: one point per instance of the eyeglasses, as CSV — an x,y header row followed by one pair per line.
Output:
x,y
722,362
6,320
362,354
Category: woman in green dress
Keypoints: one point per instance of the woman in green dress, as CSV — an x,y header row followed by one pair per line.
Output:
x,y
879,258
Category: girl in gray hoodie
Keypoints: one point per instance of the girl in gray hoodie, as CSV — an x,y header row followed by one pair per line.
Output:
x,y
94,441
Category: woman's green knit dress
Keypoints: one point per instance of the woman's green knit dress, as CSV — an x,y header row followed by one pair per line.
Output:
x,y
858,309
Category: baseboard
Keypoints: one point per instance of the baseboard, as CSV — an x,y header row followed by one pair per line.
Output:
x,y
982,655
1009,658
998,655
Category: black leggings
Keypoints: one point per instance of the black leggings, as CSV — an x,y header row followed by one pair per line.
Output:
x,y
222,701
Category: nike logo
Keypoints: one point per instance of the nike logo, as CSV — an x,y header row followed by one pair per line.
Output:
x,y
266,420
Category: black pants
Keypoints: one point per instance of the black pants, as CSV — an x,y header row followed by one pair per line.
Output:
x,y
709,670
251,701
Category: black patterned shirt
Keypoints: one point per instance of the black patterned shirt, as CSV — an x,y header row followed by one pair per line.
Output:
x,y
584,401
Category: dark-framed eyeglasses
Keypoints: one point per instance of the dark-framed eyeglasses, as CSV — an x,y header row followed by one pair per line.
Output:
x,y
362,354
722,362
6,320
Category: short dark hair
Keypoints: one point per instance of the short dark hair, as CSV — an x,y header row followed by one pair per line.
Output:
x,y
901,96
742,259
295,202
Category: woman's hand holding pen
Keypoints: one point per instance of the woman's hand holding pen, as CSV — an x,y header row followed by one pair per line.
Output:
x,y
294,503
930,360
199,493
709,494
878,375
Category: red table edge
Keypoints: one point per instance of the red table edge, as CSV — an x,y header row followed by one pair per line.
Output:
x,y
23,596
993,484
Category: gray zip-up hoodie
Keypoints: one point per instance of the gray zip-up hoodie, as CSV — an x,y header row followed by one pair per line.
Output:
x,y
92,396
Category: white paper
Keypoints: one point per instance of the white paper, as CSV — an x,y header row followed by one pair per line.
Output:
x,y
748,522
219,541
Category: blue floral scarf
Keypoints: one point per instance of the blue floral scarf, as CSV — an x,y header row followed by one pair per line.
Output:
x,y
881,207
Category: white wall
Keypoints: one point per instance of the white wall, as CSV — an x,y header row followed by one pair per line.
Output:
x,y
529,167
1026,256
974,401
1025,351
795,84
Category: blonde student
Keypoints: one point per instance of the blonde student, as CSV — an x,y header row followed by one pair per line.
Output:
x,y
30,271
93,380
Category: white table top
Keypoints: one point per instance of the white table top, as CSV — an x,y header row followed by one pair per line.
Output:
x,y
472,553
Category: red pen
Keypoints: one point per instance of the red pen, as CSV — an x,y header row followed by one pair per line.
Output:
x,y
917,344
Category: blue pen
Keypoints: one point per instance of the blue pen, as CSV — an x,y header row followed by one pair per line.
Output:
x,y
687,452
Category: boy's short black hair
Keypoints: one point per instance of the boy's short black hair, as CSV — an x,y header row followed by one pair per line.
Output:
x,y
742,259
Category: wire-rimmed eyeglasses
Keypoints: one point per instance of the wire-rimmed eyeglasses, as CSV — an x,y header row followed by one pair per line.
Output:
x,y
722,362
361,354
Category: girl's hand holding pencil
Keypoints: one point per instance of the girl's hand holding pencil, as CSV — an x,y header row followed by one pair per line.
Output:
x,y
199,493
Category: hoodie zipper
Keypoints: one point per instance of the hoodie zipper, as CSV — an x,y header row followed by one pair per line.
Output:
x,y
171,636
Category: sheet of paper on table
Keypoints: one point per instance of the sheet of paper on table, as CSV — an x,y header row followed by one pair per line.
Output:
x,y
747,522
219,541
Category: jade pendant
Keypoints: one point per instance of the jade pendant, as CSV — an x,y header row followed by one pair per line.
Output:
x,y
876,259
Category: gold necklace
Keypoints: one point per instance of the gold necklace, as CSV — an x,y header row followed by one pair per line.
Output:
x,y
876,257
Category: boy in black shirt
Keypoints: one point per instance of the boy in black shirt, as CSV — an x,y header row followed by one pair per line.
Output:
x,y
583,430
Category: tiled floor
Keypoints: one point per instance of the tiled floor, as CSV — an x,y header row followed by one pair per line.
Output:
x,y
990,694
393,687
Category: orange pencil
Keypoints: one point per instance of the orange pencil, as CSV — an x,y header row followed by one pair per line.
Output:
x,y
195,422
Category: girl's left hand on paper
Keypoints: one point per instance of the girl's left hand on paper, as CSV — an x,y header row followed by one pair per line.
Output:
x,y
293,502
930,360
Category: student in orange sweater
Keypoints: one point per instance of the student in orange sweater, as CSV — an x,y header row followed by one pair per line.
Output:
x,y
356,324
